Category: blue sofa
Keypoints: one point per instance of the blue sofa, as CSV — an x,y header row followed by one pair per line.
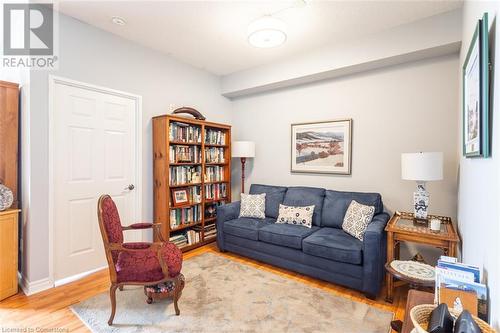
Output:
x,y
324,251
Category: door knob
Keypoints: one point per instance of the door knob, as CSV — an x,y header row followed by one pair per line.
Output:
x,y
130,187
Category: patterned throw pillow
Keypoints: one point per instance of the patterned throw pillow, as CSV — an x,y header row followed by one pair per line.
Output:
x,y
357,218
296,215
253,205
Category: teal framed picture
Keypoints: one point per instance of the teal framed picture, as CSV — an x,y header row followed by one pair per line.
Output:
x,y
475,94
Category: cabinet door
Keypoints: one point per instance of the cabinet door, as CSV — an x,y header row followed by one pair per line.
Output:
x,y
9,108
8,255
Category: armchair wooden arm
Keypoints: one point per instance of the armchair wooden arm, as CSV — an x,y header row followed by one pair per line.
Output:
x,y
144,225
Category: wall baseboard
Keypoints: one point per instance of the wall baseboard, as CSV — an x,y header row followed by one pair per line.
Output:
x,y
75,277
33,287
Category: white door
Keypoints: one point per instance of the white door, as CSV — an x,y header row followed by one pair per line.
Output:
x,y
95,145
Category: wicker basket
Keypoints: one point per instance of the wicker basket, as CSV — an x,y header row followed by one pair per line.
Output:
x,y
421,314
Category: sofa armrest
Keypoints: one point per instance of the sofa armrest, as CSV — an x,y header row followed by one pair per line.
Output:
x,y
225,213
374,254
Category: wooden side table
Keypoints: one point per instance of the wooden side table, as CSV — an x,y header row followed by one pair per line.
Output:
x,y
401,227
8,252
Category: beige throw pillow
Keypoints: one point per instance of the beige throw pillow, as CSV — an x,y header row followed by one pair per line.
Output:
x,y
357,218
253,205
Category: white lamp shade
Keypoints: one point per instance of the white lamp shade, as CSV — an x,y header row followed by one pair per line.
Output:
x,y
243,149
422,166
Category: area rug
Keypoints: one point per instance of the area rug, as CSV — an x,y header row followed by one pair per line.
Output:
x,y
223,295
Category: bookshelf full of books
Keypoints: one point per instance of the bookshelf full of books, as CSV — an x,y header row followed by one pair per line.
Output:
x,y
192,177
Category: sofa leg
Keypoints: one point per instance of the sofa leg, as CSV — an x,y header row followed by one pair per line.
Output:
x,y
370,296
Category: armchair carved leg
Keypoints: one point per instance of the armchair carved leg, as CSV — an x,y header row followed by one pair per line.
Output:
x,y
177,293
112,296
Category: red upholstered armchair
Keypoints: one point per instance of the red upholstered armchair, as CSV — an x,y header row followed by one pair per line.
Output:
x,y
136,263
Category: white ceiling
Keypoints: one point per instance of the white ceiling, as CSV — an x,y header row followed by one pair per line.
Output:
x,y
212,34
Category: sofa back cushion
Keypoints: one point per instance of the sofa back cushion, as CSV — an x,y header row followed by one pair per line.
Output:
x,y
337,202
306,196
274,197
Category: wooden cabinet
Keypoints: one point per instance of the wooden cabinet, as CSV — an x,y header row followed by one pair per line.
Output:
x,y
9,128
192,159
8,252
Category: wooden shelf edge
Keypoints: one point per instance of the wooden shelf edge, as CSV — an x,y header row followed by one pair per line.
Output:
x,y
185,185
185,226
185,206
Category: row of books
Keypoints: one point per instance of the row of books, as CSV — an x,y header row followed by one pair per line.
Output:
x,y
215,191
214,155
459,286
180,216
214,173
194,194
215,137
184,133
179,154
193,236
184,175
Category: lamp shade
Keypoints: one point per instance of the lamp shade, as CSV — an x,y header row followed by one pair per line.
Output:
x,y
243,149
422,166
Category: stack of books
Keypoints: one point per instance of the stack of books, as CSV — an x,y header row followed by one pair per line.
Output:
x,y
178,154
214,155
215,137
214,173
182,216
181,132
215,191
210,230
459,286
180,175
179,240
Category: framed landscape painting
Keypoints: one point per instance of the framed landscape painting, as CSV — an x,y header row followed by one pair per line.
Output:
x,y
322,147
476,137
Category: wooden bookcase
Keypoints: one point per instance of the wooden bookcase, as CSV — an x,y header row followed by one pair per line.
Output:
x,y
166,164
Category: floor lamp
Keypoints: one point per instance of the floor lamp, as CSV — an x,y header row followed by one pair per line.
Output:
x,y
243,150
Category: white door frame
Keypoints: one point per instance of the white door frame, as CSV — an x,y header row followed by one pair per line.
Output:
x,y
53,80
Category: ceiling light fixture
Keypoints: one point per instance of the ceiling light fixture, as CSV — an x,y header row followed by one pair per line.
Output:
x,y
266,32
118,20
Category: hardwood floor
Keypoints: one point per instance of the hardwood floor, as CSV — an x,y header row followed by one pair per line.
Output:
x,y
49,310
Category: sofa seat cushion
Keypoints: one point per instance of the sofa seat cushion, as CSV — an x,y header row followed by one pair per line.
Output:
x,y
334,244
246,227
288,235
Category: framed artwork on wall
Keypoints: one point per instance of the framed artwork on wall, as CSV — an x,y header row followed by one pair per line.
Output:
x,y
475,94
322,147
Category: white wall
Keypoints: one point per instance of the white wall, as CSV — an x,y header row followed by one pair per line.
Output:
x,y
479,184
91,55
404,108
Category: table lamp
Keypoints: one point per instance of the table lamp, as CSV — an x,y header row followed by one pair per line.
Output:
x,y
243,150
421,167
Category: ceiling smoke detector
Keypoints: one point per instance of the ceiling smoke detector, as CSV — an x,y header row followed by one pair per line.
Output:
x,y
118,20
266,32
